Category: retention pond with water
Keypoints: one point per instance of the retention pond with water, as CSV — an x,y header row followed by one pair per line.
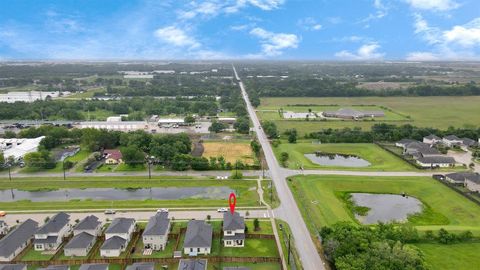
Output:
x,y
386,207
340,160
114,194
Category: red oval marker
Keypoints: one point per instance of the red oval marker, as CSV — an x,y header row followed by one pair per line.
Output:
x,y
232,200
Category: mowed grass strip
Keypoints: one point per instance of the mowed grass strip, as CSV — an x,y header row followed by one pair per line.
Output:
x,y
320,196
379,159
231,151
462,256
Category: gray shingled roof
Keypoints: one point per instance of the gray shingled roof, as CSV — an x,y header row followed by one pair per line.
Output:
x,y
192,264
55,267
429,151
17,237
141,266
49,240
468,142
236,268
12,266
237,236
460,177
88,223
157,225
55,224
417,145
199,234
406,141
94,266
115,242
81,240
437,159
120,225
433,137
233,222
452,138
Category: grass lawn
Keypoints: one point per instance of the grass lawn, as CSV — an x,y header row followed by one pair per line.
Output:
x,y
231,151
465,256
167,253
87,94
33,255
284,230
423,111
247,195
253,248
319,199
379,159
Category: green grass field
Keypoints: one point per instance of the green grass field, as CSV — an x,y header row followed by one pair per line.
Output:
x,y
319,198
463,256
423,111
247,194
379,159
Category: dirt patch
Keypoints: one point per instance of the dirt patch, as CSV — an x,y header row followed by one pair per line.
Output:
x,y
198,149
231,151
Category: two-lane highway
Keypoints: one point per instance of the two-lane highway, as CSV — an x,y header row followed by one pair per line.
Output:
x,y
288,210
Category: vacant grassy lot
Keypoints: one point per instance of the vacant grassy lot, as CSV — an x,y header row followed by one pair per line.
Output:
x,y
439,257
231,151
247,194
379,159
319,198
423,111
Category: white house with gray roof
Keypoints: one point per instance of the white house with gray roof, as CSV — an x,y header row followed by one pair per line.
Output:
x,y
117,237
13,267
432,139
3,227
233,230
452,140
94,266
436,162
193,264
155,235
51,234
17,240
198,239
80,245
90,225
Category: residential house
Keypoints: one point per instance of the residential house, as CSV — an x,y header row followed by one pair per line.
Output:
x,y
56,267
469,180
13,267
51,234
452,140
141,266
457,178
404,142
113,156
233,230
17,240
155,235
80,245
467,142
192,264
198,239
414,147
117,237
436,162
90,225
3,227
236,268
94,266
432,139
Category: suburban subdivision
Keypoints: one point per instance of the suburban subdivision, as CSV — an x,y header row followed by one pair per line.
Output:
x,y
143,165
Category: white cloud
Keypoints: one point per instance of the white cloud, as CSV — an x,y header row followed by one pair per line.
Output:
x,y
467,35
381,10
422,56
366,52
176,36
435,5
310,24
213,8
273,44
429,34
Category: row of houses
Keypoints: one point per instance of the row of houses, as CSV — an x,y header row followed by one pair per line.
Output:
x,y
50,236
425,155
184,264
469,180
450,141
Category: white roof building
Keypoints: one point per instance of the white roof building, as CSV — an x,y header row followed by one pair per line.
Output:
x,y
29,96
118,126
171,121
114,119
18,148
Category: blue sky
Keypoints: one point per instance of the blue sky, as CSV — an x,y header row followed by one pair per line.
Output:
x,y
240,29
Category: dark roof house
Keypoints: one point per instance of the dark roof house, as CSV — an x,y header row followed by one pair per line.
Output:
x,y
55,224
93,266
87,224
120,225
199,234
233,222
17,238
141,266
157,225
80,241
56,267
13,266
192,264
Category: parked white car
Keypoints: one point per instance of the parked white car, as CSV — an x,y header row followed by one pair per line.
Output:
x,y
222,210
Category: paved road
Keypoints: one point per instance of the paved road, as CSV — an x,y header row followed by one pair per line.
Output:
x,y
288,210
11,219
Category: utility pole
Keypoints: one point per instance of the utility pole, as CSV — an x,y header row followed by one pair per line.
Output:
x,y
149,169
9,172
271,192
63,166
289,250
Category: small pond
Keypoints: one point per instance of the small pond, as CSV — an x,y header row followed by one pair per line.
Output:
x,y
169,193
328,159
386,207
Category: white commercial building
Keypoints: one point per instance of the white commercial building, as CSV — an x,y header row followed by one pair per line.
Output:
x,y
124,126
30,96
18,148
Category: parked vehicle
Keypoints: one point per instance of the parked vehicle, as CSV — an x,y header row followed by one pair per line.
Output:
x,y
222,210
110,212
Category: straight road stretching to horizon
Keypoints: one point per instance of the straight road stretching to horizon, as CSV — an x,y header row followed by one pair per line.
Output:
x,y
288,210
